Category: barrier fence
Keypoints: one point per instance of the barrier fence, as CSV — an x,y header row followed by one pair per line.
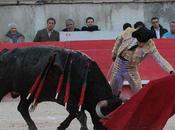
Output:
x,y
100,51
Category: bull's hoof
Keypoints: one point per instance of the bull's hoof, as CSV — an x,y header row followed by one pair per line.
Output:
x,y
60,128
84,128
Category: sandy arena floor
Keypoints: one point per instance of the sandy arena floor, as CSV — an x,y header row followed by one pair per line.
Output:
x,y
47,117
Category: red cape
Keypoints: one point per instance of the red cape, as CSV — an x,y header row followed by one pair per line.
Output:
x,y
149,109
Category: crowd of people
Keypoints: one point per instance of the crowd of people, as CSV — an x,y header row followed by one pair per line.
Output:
x,y
49,34
160,32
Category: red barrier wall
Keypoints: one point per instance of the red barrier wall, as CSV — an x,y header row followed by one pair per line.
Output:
x,y
100,51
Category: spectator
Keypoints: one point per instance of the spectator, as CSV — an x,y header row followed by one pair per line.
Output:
x,y
126,25
70,26
170,34
47,34
13,36
157,29
90,25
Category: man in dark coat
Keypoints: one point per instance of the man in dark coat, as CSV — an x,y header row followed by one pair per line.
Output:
x,y
90,25
157,29
70,26
47,34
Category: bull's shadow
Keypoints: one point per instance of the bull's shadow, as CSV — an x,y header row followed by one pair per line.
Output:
x,y
37,70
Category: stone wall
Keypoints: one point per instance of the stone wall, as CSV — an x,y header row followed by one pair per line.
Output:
x,y
79,1
108,16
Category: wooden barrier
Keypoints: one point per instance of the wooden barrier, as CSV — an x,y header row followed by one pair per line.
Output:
x,y
100,51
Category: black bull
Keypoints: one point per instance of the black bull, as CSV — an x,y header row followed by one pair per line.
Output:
x,y
19,69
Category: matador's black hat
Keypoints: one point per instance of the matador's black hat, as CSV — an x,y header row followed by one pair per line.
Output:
x,y
143,34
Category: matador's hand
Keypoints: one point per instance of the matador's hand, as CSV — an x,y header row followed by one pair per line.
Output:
x,y
113,57
171,72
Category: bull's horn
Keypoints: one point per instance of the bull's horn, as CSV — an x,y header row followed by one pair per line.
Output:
x,y
99,105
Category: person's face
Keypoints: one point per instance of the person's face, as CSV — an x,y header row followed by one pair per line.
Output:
x,y
172,28
90,22
155,23
13,30
70,25
50,25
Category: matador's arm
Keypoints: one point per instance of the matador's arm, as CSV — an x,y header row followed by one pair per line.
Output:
x,y
160,60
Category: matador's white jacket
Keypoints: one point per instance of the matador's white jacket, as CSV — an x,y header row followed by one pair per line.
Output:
x,y
126,41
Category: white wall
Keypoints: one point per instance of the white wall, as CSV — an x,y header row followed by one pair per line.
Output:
x,y
108,16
